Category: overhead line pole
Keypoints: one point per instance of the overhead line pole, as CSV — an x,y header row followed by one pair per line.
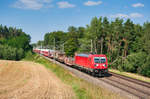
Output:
x,y
54,50
41,49
63,47
91,46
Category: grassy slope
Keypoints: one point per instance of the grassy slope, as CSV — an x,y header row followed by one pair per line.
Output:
x,y
82,89
131,75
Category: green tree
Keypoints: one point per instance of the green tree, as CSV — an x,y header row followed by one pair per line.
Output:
x,y
14,43
70,47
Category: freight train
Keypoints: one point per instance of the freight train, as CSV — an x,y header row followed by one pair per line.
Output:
x,y
95,64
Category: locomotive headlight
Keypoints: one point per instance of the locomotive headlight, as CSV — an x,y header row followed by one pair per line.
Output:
x,y
104,65
96,65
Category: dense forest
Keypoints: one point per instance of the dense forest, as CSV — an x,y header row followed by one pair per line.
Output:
x,y
127,45
14,43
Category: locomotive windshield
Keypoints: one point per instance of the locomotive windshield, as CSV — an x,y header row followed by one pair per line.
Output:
x,y
99,59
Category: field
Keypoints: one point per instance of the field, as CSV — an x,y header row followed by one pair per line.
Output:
x,y
28,80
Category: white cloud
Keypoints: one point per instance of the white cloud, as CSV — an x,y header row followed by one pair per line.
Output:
x,y
65,4
92,3
138,5
30,4
131,15
119,15
136,15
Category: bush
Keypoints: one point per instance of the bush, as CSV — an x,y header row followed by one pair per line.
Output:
x,y
135,63
10,53
20,54
117,64
1,51
145,68
29,55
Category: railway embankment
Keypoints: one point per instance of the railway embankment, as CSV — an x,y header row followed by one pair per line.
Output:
x,y
82,88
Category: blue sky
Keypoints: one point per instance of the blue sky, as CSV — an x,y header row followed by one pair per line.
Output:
x,y
37,17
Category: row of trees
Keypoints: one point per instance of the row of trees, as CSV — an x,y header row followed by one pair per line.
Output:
x,y
14,43
127,45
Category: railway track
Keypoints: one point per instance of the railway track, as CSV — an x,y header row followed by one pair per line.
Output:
x,y
145,84
129,87
136,87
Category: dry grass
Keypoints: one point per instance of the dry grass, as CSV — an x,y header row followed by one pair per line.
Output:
x,y
132,75
94,92
28,80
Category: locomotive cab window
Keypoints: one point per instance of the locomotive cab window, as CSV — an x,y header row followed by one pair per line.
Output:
x,y
103,59
99,59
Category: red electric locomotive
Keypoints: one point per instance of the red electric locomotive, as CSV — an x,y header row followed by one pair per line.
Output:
x,y
94,63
